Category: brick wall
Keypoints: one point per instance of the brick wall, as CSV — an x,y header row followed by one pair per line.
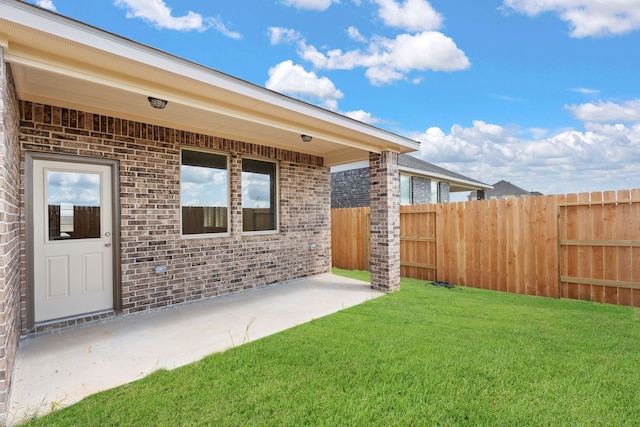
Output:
x,y
10,234
149,167
350,189
421,190
445,191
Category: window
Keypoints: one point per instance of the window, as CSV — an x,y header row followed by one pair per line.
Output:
x,y
258,195
74,205
204,179
435,191
405,190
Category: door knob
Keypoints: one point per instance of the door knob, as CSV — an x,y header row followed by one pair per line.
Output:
x,y
107,244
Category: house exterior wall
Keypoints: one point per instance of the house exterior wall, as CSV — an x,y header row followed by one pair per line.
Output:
x,y
350,188
149,196
10,231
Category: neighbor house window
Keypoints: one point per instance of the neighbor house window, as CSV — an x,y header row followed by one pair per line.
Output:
x,y
405,190
258,195
435,191
204,183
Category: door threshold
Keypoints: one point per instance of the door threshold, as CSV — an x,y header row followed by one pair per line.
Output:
x,y
59,325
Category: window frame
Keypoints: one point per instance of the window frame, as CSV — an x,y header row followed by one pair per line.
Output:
x,y
276,197
211,235
410,183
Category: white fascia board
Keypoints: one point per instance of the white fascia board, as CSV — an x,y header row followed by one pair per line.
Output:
x,y
67,28
451,179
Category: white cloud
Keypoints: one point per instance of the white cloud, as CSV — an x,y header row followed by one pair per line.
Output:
x,y
410,15
607,111
586,18
362,116
509,98
320,5
280,35
46,4
603,157
585,91
355,35
389,60
160,15
293,80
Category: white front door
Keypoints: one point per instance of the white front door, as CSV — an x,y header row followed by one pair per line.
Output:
x,y
72,225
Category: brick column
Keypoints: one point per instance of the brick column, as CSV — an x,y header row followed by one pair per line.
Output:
x,y
384,183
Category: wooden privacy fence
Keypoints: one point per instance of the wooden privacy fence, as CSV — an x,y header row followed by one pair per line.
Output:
x,y
507,245
580,246
418,242
600,247
350,240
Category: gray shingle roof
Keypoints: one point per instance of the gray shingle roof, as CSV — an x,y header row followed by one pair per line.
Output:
x,y
505,188
409,161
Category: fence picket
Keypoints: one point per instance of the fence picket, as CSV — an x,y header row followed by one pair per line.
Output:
x,y
634,235
624,253
494,248
597,252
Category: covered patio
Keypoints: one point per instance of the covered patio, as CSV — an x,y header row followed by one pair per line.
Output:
x,y
61,368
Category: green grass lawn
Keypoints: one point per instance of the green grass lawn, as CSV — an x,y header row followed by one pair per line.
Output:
x,y
421,356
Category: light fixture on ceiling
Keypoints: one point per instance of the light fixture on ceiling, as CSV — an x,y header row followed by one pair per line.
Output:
x,y
306,138
157,102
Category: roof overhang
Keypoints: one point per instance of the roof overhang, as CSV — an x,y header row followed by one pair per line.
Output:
x,y
56,60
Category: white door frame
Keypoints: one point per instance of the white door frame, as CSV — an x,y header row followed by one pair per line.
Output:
x,y
29,214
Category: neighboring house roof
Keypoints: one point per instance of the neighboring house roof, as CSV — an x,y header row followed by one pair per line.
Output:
x,y
504,188
458,182
59,61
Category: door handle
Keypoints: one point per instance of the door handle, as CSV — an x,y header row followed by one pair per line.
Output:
x,y
107,245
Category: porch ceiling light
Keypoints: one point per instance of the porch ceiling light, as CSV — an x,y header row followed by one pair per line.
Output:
x,y
306,138
157,103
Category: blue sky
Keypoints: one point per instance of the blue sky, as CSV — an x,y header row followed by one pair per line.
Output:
x,y
542,93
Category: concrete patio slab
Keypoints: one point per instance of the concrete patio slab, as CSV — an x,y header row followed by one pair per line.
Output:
x,y
62,368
